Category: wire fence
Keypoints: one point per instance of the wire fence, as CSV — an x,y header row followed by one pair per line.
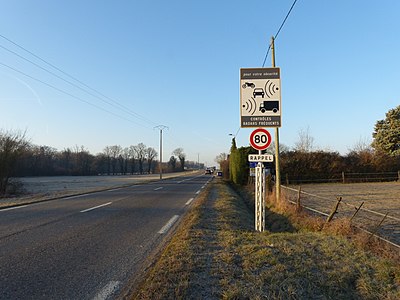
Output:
x,y
344,177
384,224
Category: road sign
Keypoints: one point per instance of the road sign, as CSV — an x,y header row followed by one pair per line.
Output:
x,y
260,139
260,97
261,158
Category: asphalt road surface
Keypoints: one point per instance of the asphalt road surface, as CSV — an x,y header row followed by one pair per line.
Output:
x,y
88,246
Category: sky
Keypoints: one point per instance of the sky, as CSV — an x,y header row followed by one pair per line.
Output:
x,y
102,73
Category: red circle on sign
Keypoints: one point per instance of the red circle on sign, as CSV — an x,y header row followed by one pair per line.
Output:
x,y
260,139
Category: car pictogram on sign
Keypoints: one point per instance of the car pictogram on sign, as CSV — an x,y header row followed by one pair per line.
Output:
x,y
258,92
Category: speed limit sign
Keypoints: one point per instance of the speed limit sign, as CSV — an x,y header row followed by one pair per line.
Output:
x,y
260,139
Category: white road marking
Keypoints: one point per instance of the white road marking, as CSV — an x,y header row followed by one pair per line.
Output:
x,y
189,201
116,189
98,206
73,197
12,208
198,192
169,224
159,188
107,291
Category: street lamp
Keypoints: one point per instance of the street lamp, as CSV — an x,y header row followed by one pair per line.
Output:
x,y
161,128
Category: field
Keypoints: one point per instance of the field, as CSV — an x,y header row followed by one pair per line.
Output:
x,y
380,198
34,189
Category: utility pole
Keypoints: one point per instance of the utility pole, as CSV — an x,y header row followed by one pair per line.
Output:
x,y
161,128
277,167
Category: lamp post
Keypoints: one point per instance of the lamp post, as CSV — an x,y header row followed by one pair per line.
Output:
x,y
161,128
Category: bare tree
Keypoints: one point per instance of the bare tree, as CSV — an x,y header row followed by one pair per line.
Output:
x,y
107,154
140,151
306,141
151,153
363,145
121,163
126,157
282,148
172,163
46,158
114,151
12,146
132,155
66,157
83,161
181,156
221,157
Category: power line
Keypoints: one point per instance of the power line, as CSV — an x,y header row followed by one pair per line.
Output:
x,y
279,30
69,94
111,101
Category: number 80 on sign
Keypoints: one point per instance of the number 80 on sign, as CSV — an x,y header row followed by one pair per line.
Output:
x,y
260,139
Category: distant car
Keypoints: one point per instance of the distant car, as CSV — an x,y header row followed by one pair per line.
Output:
x,y
208,171
258,92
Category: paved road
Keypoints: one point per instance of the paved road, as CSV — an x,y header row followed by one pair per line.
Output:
x,y
88,247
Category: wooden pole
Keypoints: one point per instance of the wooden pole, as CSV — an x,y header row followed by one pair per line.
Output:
x,y
277,163
377,227
334,210
298,205
357,210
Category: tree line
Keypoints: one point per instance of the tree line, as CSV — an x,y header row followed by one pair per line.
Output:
x,y
303,163
20,158
318,166
47,161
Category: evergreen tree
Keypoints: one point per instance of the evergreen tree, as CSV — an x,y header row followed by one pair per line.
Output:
x,y
387,133
232,159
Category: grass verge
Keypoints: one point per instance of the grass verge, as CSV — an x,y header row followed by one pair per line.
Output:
x,y
215,254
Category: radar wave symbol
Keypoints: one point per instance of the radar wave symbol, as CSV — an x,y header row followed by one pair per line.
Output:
x,y
250,106
270,88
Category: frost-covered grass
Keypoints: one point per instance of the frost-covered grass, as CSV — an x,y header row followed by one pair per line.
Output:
x,y
216,254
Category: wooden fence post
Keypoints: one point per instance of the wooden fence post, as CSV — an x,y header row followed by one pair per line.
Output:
x,y
377,227
298,203
357,210
334,210
343,179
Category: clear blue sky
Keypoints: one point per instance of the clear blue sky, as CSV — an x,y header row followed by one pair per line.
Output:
x,y
177,63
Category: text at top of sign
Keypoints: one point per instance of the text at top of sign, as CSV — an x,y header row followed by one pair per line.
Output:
x,y
260,73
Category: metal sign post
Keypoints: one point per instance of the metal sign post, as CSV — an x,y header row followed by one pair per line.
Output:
x,y
260,198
